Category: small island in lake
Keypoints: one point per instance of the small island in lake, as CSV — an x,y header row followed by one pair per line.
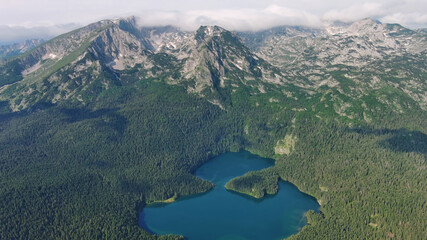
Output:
x,y
223,214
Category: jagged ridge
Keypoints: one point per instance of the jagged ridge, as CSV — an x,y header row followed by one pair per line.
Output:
x,y
352,59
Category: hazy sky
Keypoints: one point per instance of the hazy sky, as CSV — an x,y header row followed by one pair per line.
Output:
x,y
16,15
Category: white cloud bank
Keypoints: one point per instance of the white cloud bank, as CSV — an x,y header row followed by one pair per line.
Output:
x,y
356,12
12,34
242,19
190,14
415,20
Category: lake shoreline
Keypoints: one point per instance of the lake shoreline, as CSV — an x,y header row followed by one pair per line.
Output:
x,y
222,202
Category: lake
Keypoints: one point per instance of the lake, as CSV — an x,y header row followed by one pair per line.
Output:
x,y
223,214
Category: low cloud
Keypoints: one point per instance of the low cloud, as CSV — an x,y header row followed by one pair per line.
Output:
x,y
251,19
25,19
412,19
356,12
239,20
408,13
11,34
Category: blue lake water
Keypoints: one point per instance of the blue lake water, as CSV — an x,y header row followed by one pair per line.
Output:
x,y
222,214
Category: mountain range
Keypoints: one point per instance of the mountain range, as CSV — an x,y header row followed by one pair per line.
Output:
x,y
355,59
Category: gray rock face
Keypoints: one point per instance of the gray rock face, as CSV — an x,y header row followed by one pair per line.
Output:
x,y
356,44
211,57
372,54
354,59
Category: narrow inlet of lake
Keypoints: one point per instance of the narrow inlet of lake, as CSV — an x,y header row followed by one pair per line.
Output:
x,y
222,214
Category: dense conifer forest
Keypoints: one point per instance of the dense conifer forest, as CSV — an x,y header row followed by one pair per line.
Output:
x,y
85,173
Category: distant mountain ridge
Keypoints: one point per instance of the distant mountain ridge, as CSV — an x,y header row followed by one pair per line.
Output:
x,y
11,50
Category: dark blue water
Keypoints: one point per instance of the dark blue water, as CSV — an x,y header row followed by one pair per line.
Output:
x,y
221,214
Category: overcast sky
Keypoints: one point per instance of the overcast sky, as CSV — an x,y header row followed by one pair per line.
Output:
x,y
52,17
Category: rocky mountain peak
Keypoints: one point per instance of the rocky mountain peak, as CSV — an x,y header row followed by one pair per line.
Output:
x,y
209,31
365,27
367,22
358,28
205,33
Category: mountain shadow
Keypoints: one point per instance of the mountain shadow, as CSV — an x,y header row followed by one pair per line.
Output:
x,y
401,140
110,117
